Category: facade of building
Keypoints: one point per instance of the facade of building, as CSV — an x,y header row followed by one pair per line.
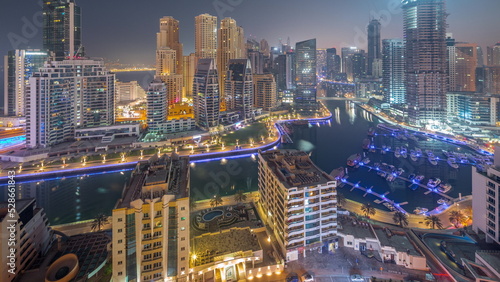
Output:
x,y
62,29
67,95
189,69
205,36
298,201
206,98
332,63
493,53
486,200
230,45
463,64
256,60
265,92
358,65
157,105
128,91
374,44
32,234
239,88
305,76
368,87
19,67
347,61
151,223
472,108
168,37
393,71
492,79
426,68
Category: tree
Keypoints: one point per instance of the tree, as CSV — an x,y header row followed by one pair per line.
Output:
x,y
400,219
99,221
433,222
367,209
341,200
216,201
457,217
240,196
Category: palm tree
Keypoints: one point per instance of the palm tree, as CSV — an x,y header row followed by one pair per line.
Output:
x,y
240,196
400,219
367,209
99,221
433,222
216,201
341,200
457,217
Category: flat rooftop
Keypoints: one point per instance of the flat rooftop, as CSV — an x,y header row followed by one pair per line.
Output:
x,y
492,257
356,228
211,245
294,168
396,239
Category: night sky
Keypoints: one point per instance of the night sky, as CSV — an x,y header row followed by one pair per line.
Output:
x,y
125,29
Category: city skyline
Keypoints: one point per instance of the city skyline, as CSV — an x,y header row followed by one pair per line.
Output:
x,y
348,21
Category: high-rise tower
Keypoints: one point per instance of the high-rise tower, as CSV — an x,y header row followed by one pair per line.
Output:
x,y
206,94
374,52
426,68
239,87
205,36
231,45
168,38
305,75
62,29
393,70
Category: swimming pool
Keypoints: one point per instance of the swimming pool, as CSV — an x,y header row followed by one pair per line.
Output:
x,y
211,215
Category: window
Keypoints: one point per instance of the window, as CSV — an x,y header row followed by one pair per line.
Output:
x,y
120,252
183,258
183,208
183,249
183,268
146,226
120,262
120,219
120,230
158,213
120,241
146,215
120,273
183,238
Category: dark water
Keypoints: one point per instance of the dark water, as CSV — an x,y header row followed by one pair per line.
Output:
x,y
80,198
74,198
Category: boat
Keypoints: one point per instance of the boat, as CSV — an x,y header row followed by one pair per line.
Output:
x,y
418,151
420,210
404,152
429,153
413,155
447,154
400,171
366,144
353,160
366,161
382,173
389,206
444,188
411,176
414,187
442,201
390,177
397,153
433,182
418,178
371,131
433,160
452,162
383,150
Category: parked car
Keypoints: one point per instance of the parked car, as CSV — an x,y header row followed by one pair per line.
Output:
x,y
292,277
357,278
307,277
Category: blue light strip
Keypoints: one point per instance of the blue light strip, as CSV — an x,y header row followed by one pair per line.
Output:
x,y
78,175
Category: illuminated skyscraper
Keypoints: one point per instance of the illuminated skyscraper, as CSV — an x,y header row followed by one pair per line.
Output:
x,y
463,68
231,45
374,51
189,69
157,105
206,98
332,63
305,76
494,55
62,29
168,38
205,36
19,67
393,70
239,88
426,68
348,63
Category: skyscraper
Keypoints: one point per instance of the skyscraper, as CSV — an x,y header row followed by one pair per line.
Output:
x,y
157,105
62,29
189,69
206,94
358,65
494,55
332,63
205,36
230,45
239,87
305,76
20,66
168,37
68,95
257,60
426,68
393,71
374,51
265,94
347,61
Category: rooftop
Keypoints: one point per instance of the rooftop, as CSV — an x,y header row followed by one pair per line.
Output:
x,y
294,168
492,257
396,239
356,228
